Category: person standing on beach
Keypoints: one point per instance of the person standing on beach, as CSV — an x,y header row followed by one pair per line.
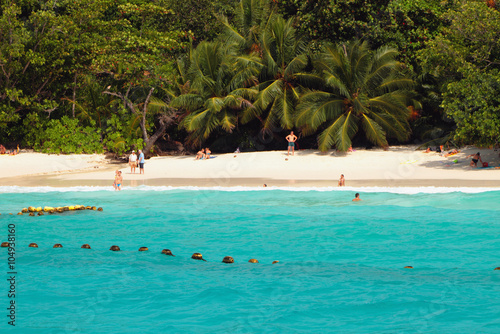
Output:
x,y
291,138
118,180
342,181
132,161
141,162
475,158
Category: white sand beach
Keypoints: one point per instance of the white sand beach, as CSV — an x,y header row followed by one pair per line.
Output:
x,y
396,167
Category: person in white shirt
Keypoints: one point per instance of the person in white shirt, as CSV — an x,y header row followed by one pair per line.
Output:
x,y
132,161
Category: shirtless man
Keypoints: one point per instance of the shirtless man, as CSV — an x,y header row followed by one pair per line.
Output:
x,y
356,198
475,158
291,138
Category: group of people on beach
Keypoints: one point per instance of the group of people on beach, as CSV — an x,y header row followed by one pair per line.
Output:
x,y
3,150
202,154
133,160
476,157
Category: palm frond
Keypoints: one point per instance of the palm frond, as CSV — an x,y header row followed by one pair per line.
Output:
x,y
286,109
189,102
316,107
268,94
337,84
326,138
394,128
297,64
373,131
228,121
215,104
156,105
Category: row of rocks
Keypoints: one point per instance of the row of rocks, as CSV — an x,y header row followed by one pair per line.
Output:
x,y
195,256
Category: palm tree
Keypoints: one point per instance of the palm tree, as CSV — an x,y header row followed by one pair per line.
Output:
x,y
360,87
221,82
284,58
252,17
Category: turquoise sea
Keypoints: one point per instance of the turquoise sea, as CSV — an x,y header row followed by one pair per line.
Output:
x,y
341,263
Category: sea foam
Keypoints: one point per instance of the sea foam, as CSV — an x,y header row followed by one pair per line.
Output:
x,y
394,190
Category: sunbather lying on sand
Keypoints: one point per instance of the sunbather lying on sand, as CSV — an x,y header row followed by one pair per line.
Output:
x,y
452,152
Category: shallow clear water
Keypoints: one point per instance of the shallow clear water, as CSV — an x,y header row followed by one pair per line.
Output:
x,y
340,263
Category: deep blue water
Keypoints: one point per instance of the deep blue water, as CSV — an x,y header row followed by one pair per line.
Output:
x,y
341,264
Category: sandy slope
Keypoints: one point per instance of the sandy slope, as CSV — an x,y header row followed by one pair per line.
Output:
x,y
398,166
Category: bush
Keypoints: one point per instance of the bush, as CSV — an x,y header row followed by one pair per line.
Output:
x,y
66,136
119,136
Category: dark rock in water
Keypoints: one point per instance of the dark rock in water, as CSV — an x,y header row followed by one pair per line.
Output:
x,y
197,256
114,248
143,249
57,246
86,246
253,261
228,259
33,245
167,252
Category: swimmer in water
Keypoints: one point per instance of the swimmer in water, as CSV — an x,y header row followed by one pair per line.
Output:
x,y
356,198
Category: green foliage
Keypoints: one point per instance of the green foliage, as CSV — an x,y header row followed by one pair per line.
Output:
x,y
465,60
474,104
33,127
471,40
120,136
67,136
403,24
284,58
361,87
57,57
199,17
219,79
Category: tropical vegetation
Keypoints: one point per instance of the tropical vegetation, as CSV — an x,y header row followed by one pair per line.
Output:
x,y
171,75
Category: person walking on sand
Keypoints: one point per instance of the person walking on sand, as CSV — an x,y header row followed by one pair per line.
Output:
x,y
141,162
291,138
356,198
475,158
132,161
342,181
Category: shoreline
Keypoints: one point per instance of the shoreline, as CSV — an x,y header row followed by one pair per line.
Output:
x,y
50,181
